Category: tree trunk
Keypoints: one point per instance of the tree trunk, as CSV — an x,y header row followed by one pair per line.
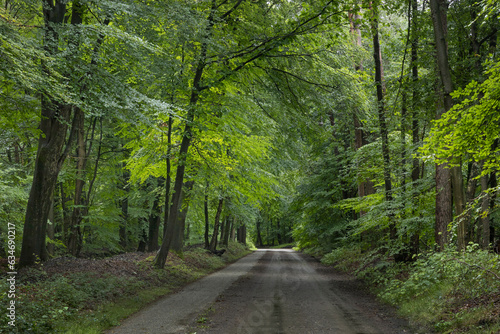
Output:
x,y
242,234
222,229
213,242
472,173
173,226
485,216
50,156
259,237
233,231
143,240
207,225
51,230
443,175
415,171
178,242
168,179
379,82
124,209
75,239
155,220
365,187
227,231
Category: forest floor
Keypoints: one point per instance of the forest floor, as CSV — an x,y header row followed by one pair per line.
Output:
x,y
269,291
89,295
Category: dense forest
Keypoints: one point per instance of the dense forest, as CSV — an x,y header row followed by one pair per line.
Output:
x,y
361,129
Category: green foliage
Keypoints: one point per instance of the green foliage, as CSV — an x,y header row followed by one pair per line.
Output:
x,y
469,129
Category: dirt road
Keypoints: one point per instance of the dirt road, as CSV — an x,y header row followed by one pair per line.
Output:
x,y
269,291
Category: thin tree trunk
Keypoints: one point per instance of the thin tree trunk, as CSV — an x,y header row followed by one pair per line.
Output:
x,y
227,231
207,225
485,216
75,232
379,82
233,231
155,220
168,178
259,237
213,242
415,172
222,228
124,208
143,240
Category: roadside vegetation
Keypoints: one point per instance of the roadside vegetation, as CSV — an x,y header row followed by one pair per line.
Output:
x,y
442,292
78,295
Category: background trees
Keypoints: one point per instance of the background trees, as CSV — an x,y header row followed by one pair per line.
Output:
x,y
136,123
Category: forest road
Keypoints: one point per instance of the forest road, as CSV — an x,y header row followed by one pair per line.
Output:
x,y
269,291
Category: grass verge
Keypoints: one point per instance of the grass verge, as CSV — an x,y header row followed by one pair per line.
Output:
x,y
69,295
441,292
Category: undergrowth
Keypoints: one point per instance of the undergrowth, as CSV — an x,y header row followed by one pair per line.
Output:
x,y
443,292
89,301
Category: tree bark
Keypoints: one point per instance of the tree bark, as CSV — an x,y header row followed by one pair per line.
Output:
x,y
178,242
50,156
168,180
379,82
227,231
222,229
155,220
75,239
365,187
439,20
259,237
485,216
213,241
415,171
124,209
207,225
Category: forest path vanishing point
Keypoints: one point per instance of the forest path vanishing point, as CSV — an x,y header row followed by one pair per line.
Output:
x,y
269,291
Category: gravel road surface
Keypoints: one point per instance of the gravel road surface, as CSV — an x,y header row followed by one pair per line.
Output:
x,y
269,291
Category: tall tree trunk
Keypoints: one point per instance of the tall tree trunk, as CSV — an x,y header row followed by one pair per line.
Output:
x,y
50,156
379,82
173,226
155,220
227,230
124,208
51,230
439,20
213,242
485,216
178,242
207,225
233,230
168,178
415,171
278,236
143,239
222,228
75,232
365,187
259,237
472,173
